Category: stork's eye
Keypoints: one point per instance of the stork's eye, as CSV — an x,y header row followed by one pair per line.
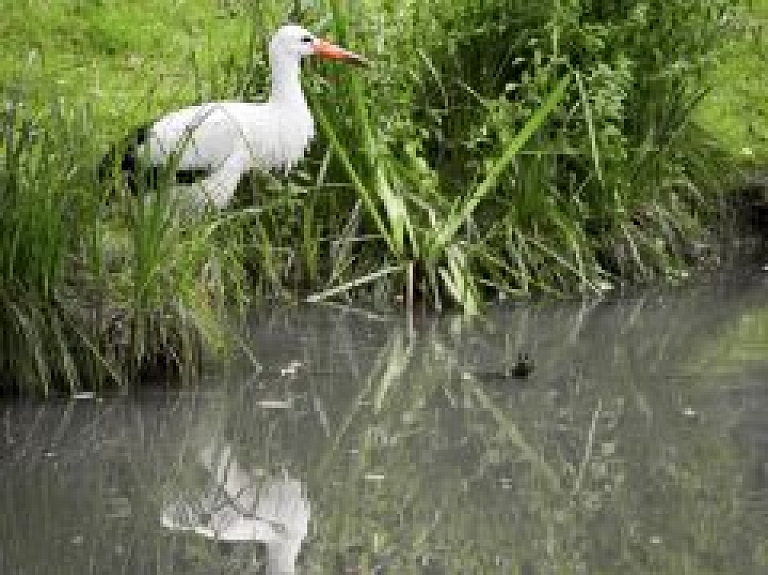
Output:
x,y
306,39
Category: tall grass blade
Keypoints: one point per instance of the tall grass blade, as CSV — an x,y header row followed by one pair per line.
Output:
x,y
587,106
447,233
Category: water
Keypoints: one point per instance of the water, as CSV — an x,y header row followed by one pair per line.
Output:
x,y
364,444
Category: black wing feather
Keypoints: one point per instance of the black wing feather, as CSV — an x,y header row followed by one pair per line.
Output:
x,y
123,162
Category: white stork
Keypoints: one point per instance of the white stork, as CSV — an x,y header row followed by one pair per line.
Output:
x,y
224,140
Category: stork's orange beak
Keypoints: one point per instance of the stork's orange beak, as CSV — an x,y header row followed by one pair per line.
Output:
x,y
325,49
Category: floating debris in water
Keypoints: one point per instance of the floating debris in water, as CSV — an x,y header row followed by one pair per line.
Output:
x,y
291,369
507,483
275,403
84,395
690,412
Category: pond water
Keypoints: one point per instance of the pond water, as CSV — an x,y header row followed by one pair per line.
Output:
x,y
365,444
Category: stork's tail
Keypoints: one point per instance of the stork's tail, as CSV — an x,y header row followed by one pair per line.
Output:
x,y
120,166
124,166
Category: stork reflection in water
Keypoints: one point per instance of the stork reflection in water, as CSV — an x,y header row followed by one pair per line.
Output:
x,y
234,508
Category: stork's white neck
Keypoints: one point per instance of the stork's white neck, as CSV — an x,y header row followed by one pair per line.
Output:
x,y
286,86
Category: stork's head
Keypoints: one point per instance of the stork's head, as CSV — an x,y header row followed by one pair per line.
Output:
x,y
293,41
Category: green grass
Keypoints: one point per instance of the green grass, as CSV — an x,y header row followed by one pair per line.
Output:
x,y
494,149
129,60
94,292
114,55
736,110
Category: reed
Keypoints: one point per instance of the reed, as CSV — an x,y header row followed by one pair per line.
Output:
x,y
98,289
493,150
478,174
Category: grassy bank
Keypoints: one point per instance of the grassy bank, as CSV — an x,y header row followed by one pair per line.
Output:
x,y
134,60
126,60
736,109
493,150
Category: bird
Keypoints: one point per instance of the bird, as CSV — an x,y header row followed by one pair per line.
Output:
x,y
523,367
210,146
232,509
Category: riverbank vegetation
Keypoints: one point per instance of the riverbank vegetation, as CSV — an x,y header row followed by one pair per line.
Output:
x,y
493,150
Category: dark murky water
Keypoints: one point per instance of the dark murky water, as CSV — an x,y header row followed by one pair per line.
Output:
x,y
638,444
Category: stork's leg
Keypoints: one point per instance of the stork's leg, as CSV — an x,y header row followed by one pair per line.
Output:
x,y
220,186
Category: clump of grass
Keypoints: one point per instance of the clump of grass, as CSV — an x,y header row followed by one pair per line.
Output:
x,y
95,289
40,224
494,149
438,195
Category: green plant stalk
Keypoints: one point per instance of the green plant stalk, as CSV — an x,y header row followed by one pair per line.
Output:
x,y
356,181
448,231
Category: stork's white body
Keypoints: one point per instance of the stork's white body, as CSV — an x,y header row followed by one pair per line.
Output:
x,y
227,139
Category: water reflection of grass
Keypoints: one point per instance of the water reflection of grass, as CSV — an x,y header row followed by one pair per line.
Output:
x,y
405,467
740,344
627,497
591,466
